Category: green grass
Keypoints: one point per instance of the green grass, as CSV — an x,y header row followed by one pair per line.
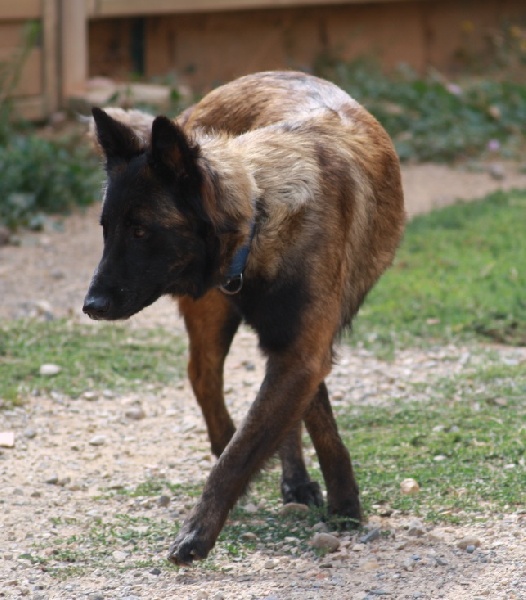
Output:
x,y
459,277
459,273
475,424
94,357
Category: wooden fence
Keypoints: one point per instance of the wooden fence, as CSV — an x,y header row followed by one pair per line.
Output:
x,y
205,42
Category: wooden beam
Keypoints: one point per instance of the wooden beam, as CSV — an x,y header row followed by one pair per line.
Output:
x,y
51,46
74,46
21,9
120,8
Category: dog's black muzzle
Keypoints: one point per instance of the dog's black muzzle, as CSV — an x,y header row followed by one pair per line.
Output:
x,y
96,307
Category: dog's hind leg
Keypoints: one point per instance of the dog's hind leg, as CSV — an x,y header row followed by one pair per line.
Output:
x,y
211,323
335,462
296,485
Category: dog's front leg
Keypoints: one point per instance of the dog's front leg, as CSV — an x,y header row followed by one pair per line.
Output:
x,y
211,323
290,383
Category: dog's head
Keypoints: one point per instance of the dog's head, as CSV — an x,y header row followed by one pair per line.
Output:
x,y
167,228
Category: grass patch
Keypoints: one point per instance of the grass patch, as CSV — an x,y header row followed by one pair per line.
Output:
x,y
94,357
466,447
460,272
143,531
473,423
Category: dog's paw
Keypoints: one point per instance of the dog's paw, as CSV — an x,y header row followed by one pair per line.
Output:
x,y
346,516
308,493
187,547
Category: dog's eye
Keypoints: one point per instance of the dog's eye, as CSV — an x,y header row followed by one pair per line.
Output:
x,y
138,232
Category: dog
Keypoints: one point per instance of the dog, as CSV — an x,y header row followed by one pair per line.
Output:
x,y
276,201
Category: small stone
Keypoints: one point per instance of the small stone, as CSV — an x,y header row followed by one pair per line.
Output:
x,y
52,479
119,556
7,439
43,308
293,508
91,396
358,547
202,595
325,541
409,564
320,527
155,571
370,536
250,508
496,171
370,565
136,413
416,528
469,540
385,511
30,433
164,501
270,564
249,536
470,549
49,370
97,440
409,486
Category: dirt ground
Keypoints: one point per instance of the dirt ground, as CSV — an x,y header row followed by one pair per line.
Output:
x,y
51,480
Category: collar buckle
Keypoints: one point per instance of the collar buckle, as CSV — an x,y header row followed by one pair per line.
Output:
x,y
232,286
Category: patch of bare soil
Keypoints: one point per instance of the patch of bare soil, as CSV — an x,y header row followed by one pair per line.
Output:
x,y
67,453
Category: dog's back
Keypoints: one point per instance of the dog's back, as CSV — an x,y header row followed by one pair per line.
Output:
x,y
261,99
339,147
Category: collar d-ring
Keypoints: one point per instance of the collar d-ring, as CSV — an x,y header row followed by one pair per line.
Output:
x,y
232,286
234,278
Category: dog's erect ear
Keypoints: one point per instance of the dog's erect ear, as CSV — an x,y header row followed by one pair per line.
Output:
x,y
117,140
173,151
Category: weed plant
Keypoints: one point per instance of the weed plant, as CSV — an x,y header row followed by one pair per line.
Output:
x,y
432,119
38,175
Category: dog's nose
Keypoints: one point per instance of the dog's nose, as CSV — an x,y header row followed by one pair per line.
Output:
x,y
96,307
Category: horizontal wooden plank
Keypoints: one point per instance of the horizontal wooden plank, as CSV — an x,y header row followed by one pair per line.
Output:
x,y
12,34
118,8
32,108
30,79
21,9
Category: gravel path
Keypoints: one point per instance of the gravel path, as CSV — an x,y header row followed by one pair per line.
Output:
x,y
68,453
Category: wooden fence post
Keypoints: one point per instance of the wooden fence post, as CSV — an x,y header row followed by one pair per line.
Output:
x,y
74,47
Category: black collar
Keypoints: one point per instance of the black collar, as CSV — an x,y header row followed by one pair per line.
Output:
x,y
233,281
